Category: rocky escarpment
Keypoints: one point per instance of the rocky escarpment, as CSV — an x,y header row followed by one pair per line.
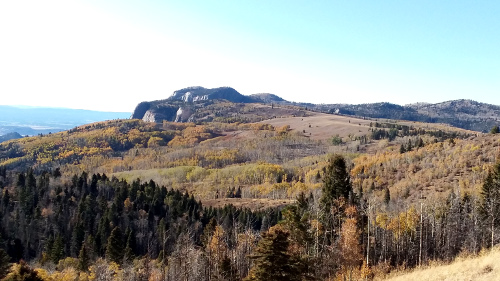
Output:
x,y
198,94
183,104
151,112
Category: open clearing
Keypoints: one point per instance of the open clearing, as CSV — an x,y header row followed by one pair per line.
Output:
x,y
323,126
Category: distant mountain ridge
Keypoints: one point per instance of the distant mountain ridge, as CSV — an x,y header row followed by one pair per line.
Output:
x,y
182,105
465,114
40,120
10,136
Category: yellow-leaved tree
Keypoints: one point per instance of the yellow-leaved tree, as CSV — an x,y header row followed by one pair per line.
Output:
x,y
350,250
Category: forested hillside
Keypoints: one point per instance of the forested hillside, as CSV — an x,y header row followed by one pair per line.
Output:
x,y
134,200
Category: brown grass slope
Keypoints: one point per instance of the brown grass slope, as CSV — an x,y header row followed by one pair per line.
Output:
x,y
482,267
323,126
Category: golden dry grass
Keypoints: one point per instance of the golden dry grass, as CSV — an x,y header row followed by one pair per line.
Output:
x,y
323,126
482,267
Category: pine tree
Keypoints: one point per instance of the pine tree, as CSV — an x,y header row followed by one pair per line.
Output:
x,y
77,238
227,270
336,182
238,193
272,260
129,247
57,251
114,247
387,196
4,263
402,149
3,172
420,143
409,147
495,130
490,205
83,259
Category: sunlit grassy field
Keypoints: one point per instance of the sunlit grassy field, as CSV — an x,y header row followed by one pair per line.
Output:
x,y
482,267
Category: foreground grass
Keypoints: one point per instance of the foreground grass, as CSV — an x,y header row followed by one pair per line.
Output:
x,y
482,267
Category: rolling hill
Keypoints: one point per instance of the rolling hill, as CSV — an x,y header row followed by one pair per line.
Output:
x,y
191,105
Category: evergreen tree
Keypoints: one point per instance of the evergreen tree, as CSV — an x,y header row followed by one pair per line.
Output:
x,y
228,271
272,259
4,263
114,247
83,259
490,205
402,149
57,252
3,172
297,224
495,130
238,193
57,173
77,238
409,147
336,182
129,247
420,143
387,196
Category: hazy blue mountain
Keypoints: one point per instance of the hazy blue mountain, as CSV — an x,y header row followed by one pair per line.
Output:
x,y
32,121
10,136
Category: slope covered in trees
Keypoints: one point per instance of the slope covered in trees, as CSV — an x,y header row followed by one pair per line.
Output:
x,y
74,224
124,199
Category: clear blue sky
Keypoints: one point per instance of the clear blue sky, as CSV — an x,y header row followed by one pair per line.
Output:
x,y
110,55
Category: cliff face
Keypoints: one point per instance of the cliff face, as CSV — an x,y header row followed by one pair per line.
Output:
x,y
182,104
141,109
198,94
158,113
